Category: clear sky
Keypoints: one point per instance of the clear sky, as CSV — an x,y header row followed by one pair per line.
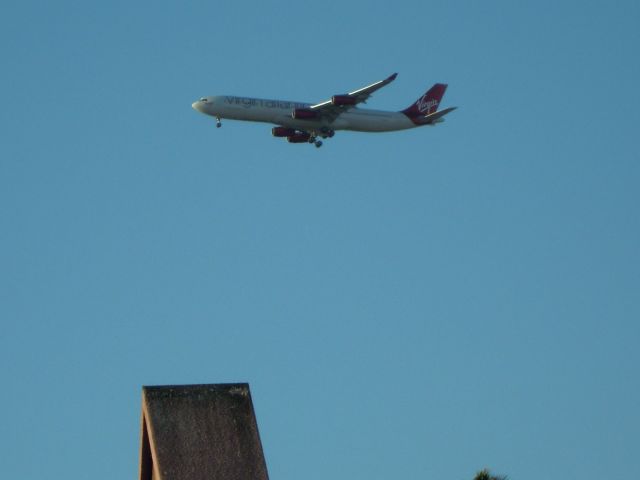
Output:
x,y
413,305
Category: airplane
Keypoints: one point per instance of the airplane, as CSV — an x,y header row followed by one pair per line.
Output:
x,y
304,122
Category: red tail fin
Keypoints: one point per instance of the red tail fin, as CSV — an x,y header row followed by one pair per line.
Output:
x,y
427,103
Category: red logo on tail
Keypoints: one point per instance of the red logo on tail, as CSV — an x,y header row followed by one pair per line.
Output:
x,y
427,103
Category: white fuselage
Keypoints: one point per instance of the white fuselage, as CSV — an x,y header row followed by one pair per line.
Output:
x,y
279,112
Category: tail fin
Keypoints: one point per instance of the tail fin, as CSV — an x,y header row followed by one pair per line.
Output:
x,y
427,103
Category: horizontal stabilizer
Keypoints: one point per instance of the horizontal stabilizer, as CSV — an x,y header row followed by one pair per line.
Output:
x,y
435,117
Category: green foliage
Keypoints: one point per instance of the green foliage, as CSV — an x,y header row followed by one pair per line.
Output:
x,y
486,475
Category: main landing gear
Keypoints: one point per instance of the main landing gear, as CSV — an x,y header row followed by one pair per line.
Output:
x,y
294,135
315,141
218,122
324,133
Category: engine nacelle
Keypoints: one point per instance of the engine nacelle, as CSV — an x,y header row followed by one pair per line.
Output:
x,y
342,100
304,114
283,131
300,137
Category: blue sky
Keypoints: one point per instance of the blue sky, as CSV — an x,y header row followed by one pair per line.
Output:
x,y
412,305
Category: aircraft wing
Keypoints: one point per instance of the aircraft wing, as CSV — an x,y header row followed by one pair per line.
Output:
x,y
338,104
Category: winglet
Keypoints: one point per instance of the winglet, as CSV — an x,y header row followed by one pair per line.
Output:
x,y
392,77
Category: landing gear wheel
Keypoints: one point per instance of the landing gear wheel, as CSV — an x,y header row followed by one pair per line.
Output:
x,y
318,143
218,123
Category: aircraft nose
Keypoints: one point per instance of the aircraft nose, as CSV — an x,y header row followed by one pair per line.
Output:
x,y
204,105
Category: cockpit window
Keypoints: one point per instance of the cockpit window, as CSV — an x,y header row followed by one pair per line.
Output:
x,y
204,99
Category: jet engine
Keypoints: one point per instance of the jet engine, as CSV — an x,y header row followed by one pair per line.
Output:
x,y
342,100
304,114
283,131
300,137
